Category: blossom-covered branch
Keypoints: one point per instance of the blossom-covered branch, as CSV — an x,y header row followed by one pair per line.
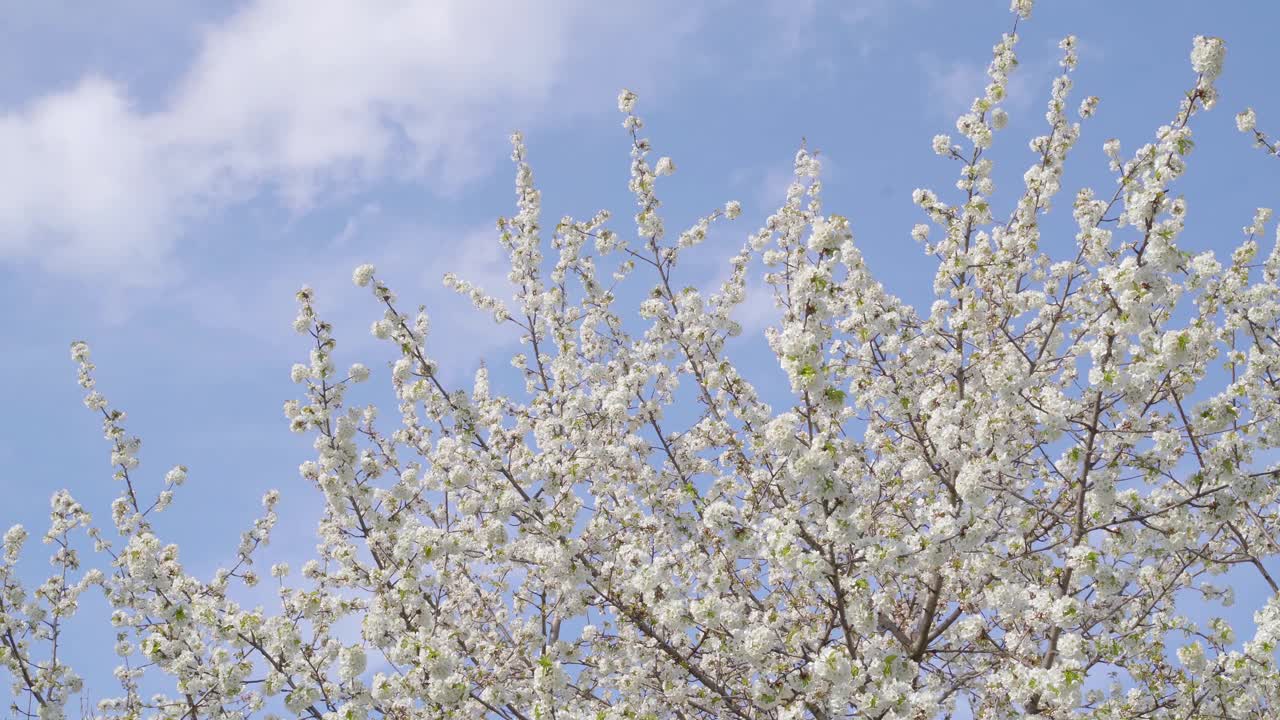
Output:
x,y
999,502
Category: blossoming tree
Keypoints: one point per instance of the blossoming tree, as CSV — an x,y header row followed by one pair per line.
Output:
x,y
986,507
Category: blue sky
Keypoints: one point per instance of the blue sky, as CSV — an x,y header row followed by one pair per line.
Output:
x,y
173,172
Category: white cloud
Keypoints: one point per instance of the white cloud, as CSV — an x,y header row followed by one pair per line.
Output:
x,y
759,309
257,305
301,98
766,187
355,225
952,86
796,25
771,190
76,165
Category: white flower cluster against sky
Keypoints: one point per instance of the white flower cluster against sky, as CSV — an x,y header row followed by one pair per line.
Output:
x,y
170,173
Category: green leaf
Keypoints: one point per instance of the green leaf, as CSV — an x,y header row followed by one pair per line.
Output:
x,y
888,664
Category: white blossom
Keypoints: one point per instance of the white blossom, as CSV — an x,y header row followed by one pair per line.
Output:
x,y
998,497
362,275
1207,54
358,372
626,101
1247,120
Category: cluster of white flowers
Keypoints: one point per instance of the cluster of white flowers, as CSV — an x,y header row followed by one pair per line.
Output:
x,y
1247,122
1259,224
995,500
1207,54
